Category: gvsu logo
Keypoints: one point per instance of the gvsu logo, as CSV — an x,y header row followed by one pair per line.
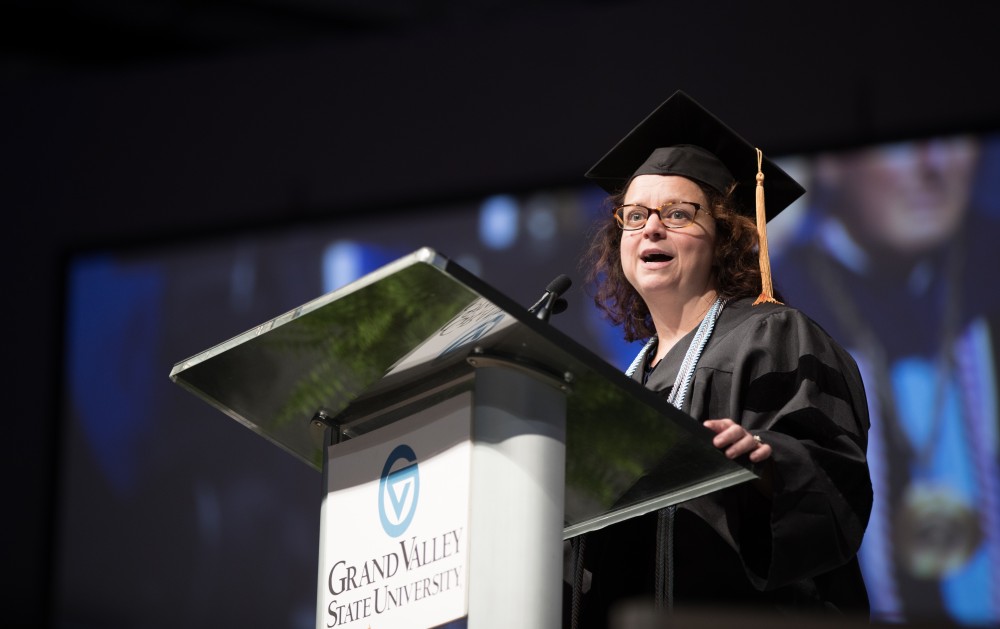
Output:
x,y
398,490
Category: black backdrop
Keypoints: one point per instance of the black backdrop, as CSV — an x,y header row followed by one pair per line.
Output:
x,y
129,156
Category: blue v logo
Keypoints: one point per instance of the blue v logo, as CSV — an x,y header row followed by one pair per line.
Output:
x,y
398,491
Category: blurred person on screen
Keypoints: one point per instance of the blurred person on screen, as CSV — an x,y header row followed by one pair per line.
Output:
x,y
894,262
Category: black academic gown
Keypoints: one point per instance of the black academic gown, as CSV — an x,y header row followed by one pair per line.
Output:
x,y
778,374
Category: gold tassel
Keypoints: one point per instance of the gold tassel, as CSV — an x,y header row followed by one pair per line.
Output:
x,y
766,287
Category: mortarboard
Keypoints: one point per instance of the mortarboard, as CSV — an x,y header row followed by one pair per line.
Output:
x,y
682,138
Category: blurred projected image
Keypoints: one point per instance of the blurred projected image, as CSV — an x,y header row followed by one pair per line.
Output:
x,y
165,504
897,261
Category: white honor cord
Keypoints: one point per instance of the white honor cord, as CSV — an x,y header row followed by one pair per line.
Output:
x,y
686,373
641,357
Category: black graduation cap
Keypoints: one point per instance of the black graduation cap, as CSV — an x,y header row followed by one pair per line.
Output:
x,y
683,138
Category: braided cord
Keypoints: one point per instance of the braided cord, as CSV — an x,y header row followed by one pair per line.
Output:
x,y
686,373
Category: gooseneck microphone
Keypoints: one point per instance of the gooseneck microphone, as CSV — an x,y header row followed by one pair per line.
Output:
x,y
550,303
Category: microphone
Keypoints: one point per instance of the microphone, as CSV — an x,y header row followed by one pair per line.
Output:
x,y
551,303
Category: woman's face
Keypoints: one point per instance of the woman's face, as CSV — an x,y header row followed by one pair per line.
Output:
x,y
671,265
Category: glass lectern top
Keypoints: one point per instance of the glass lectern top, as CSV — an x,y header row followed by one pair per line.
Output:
x,y
415,323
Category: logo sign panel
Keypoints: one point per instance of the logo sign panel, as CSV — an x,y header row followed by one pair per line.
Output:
x,y
398,490
394,539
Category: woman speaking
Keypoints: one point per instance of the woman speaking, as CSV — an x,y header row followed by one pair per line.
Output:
x,y
681,260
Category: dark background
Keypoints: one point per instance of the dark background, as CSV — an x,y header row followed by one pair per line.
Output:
x,y
132,124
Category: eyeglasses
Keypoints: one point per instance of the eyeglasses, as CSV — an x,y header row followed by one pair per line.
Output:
x,y
673,215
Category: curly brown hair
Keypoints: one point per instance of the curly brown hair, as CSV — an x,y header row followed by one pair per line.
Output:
x,y
736,265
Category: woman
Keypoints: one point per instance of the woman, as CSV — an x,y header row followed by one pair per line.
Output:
x,y
680,262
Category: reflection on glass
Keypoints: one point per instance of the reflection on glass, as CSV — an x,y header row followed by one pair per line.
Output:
x,y
409,328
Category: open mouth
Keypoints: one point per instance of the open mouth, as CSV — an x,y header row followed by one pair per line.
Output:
x,y
656,257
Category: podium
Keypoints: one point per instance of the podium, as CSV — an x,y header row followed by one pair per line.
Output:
x,y
460,441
